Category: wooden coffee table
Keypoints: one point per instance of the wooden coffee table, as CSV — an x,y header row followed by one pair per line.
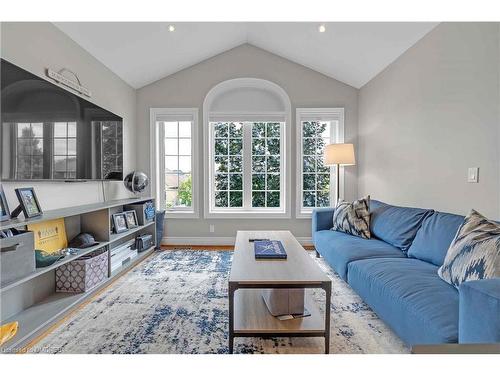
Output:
x,y
248,314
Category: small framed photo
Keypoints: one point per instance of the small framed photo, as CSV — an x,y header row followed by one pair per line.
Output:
x,y
131,217
29,202
120,222
4,207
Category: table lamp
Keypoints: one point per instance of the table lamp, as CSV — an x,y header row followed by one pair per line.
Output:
x,y
339,154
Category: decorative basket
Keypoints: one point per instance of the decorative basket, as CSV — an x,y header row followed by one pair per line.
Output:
x,y
82,274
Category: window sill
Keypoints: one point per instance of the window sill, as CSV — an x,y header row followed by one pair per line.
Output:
x,y
181,215
303,215
246,215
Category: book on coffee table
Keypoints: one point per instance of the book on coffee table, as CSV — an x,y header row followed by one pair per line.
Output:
x,y
269,250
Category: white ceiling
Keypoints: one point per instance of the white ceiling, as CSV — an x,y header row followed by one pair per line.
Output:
x,y
143,52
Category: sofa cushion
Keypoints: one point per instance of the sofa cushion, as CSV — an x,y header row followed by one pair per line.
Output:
x,y
434,237
396,225
479,317
353,217
339,249
409,296
474,253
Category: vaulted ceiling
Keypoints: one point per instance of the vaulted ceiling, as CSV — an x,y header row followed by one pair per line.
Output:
x,y
143,52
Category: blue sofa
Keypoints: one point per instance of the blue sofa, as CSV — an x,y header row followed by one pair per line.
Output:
x,y
395,273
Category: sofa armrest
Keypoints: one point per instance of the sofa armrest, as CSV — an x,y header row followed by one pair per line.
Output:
x,y
322,219
479,311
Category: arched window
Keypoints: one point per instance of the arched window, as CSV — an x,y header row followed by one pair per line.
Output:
x,y
246,136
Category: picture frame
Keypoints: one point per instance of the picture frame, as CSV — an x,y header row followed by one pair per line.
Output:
x,y
120,223
131,219
29,202
4,207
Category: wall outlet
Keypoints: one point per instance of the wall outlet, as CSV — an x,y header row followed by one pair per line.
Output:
x,y
212,228
473,175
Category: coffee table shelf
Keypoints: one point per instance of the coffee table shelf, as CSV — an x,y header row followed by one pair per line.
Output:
x,y
252,316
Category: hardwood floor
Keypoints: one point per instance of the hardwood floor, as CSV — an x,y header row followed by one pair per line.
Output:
x,y
198,247
210,248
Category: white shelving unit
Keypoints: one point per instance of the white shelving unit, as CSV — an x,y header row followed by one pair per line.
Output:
x,y
31,300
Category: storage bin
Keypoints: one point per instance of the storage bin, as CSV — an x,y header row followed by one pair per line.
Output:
x,y
17,256
84,273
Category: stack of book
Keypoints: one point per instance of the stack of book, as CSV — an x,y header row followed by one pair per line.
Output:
x,y
122,254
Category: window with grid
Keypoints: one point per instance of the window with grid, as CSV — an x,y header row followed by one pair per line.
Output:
x,y
178,164
64,154
316,129
29,143
228,158
174,144
247,166
266,153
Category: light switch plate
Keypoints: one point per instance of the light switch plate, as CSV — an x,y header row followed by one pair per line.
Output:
x,y
473,175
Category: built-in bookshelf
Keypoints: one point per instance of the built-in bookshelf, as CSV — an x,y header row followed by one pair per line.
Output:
x,y
31,300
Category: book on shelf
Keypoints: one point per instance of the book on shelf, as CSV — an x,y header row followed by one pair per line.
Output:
x,y
271,249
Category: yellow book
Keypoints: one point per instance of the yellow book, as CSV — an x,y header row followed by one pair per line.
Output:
x,y
8,331
50,236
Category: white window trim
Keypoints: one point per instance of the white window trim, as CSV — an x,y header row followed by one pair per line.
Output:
x,y
303,114
156,165
209,116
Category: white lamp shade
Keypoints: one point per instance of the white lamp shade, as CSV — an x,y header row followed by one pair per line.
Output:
x,y
339,153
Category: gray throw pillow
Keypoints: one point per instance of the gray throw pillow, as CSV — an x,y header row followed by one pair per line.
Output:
x,y
353,218
474,253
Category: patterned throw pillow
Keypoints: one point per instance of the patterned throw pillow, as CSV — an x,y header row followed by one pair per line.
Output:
x,y
353,218
474,253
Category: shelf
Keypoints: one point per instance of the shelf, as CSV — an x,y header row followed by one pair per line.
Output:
x,y
43,313
47,311
252,316
40,271
117,236
133,262
70,211
94,218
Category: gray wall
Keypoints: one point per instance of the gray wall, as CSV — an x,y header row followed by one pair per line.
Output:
x,y
187,88
429,116
36,46
422,121
498,109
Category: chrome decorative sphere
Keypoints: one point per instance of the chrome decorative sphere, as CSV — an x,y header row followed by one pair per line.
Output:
x,y
136,181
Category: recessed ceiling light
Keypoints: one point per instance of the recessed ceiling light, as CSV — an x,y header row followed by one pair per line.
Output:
x,y
171,28
321,28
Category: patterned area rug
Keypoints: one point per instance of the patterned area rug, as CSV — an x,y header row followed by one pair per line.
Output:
x,y
176,302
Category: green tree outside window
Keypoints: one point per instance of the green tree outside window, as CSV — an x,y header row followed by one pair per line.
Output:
x,y
186,192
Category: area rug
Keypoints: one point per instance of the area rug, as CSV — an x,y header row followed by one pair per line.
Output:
x,y
176,302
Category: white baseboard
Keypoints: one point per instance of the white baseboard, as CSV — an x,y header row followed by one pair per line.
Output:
x,y
198,241
215,241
